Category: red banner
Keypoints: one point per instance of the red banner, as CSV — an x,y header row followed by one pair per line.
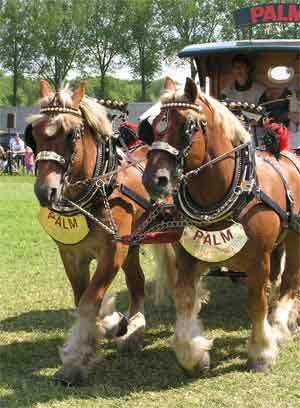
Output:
x,y
268,13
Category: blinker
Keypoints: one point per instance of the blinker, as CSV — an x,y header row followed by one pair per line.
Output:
x,y
162,124
29,139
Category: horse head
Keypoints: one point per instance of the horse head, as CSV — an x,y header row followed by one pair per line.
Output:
x,y
179,126
63,142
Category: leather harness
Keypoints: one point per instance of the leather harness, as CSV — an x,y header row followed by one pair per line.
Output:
x,y
243,189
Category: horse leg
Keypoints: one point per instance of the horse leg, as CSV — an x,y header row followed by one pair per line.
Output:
x,y
191,348
277,268
78,271
262,348
135,280
79,351
285,312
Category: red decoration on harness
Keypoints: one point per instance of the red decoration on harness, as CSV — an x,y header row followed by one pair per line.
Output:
x,y
128,131
277,136
130,125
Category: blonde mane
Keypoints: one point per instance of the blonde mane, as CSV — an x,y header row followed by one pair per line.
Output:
x,y
92,112
222,117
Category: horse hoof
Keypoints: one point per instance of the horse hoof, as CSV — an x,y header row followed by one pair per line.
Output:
x,y
70,375
258,366
199,369
122,328
129,344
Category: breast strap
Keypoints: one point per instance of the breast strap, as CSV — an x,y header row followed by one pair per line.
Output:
x,y
284,215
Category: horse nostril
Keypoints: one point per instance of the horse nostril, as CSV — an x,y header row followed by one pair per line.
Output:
x,y
162,181
53,194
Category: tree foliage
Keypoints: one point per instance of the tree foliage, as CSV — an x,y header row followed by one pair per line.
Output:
x,y
190,21
143,49
17,40
52,38
103,38
61,25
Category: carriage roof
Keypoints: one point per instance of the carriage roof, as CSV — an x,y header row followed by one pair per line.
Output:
x,y
237,47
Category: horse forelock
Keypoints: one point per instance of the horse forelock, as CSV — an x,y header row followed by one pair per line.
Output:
x,y
221,116
94,114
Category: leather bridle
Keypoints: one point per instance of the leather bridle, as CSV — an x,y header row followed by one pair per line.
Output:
x,y
191,127
76,135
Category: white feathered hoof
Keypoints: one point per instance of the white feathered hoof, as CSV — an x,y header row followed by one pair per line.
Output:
x,y
193,356
131,341
71,375
199,369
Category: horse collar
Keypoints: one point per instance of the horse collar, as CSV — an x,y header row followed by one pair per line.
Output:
x,y
106,162
237,197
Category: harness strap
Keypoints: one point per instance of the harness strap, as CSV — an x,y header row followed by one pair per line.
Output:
x,y
292,158
289,195
135,197
270,203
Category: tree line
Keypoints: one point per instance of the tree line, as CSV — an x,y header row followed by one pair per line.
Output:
x,y
51,38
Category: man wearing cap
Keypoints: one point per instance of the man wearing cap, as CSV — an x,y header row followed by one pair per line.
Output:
x,y
243,88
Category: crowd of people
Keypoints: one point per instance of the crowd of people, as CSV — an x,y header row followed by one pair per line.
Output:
x,y
16,158
281,103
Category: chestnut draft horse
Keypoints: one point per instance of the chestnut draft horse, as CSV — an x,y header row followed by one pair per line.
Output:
x,y
203,155
71,137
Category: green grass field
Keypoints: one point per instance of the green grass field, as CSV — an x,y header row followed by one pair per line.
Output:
x,y
36,310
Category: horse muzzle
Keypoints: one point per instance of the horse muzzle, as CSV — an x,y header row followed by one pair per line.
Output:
x,y
158,184
47,194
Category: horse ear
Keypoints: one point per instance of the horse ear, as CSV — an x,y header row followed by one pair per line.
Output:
x,y
169,84
78,94
45,89
190,89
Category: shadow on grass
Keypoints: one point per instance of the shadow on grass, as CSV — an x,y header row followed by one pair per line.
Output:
x,y
116,376
43,320
30,365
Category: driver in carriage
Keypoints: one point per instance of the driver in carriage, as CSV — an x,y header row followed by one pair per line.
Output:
x,y
243,88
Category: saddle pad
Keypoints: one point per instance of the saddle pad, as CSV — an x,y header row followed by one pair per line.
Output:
x,y
214,246
65,229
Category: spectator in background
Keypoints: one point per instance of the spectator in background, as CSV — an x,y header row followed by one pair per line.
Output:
x,y
17,148
294,120
2,158
29,162
243,88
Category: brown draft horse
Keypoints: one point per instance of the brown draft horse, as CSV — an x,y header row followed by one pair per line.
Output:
x,y
66,167
191,131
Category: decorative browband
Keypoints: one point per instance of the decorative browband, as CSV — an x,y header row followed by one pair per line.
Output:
x,y
182,105
232,105
60,109
118,105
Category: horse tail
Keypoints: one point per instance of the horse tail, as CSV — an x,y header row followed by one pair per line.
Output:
x,y
165,271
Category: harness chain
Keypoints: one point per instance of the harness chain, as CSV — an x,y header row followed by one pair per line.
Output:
x,y
145,227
